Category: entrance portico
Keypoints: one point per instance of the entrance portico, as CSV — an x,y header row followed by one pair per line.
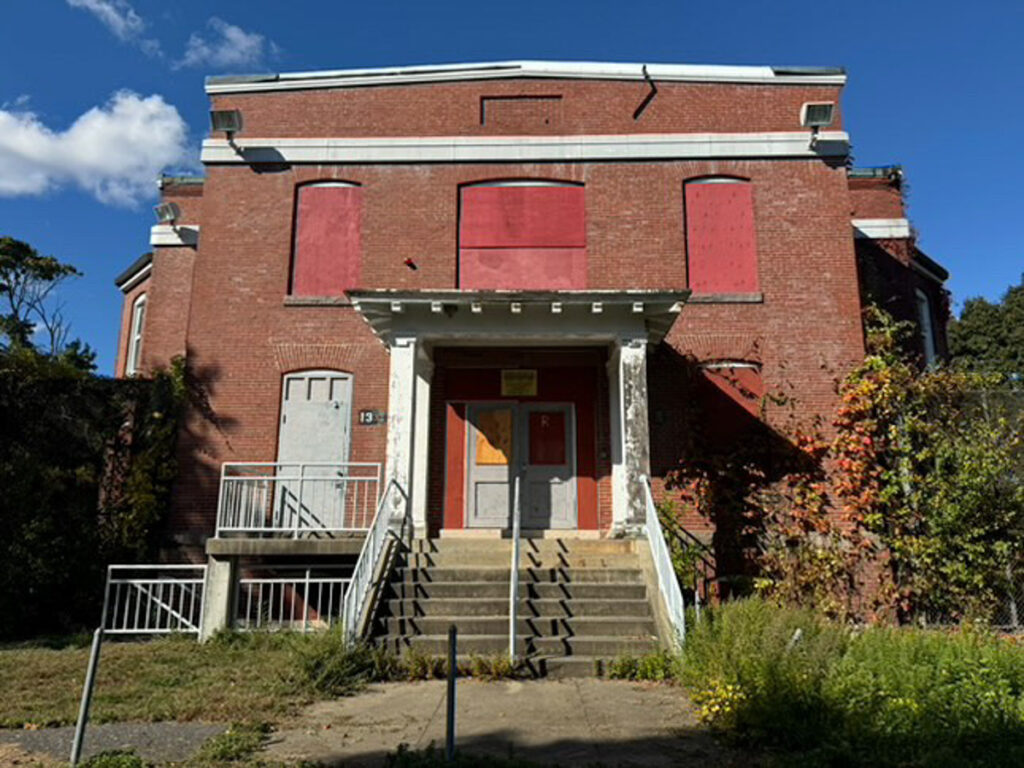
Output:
x,y
520,393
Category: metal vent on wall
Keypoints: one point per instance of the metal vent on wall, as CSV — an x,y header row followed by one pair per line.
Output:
x,y
817,115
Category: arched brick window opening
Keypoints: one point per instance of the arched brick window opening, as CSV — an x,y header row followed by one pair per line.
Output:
x,y
721,240
523,234
327,248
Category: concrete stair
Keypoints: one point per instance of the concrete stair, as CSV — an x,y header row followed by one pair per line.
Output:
x,y
581,603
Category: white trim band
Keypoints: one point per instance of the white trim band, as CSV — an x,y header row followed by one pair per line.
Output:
x,y
881,229
456,149
173,234
137,278
587,70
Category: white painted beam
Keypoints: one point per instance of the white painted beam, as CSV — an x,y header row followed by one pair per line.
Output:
x,y
525,149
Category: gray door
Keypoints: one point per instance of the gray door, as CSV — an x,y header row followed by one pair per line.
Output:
x,y
548,437
316,409
490,461
537,441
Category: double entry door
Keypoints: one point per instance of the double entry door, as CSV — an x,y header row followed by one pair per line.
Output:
x,y
534,442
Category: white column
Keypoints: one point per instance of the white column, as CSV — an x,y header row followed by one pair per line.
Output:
x,y
401,420
421,442
630,438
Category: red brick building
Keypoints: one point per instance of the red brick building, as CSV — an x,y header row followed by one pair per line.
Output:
x,y
474,274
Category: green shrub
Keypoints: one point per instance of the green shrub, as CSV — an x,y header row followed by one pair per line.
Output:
x,y
655,667
917,696
117,758
495,666
237,743
422,666
826,695
328,664
760,669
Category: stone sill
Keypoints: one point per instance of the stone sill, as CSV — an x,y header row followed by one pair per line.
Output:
x,y
317,301
726,298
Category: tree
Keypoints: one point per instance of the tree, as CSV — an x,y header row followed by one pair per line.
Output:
x,y
28,285
990,337
929,468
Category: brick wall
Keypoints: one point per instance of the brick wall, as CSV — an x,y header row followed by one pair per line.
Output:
x,y
584,107
243,334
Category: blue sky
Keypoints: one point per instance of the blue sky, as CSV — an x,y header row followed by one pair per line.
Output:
x,y
97,95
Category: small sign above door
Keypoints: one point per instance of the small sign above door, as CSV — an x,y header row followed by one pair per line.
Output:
x,y
519,382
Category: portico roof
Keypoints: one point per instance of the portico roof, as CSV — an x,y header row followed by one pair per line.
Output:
x,y
519,317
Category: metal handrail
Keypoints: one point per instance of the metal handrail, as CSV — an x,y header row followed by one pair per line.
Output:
x,y
513,581
668,584
357,597
156,604
295,497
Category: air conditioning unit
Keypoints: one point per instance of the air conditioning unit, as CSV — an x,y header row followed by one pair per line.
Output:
x,y
227,120
817,114
167,213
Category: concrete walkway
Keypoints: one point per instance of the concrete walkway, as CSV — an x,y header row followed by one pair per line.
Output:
x,y
569,722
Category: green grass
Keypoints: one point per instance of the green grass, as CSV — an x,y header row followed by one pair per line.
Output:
x,y
255,677
820,694
240,678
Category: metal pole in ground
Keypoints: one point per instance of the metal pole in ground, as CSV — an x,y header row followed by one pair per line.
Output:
x,y
83,710
449,735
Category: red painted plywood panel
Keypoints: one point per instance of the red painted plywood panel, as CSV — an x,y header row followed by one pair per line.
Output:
x,y
527,217
455,466
547,438
721,244
327,241
520,269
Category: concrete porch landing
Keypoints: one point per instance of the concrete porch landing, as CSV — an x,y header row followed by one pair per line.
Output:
x,y
570,722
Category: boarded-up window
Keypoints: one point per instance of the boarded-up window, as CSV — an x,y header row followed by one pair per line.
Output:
x,y
730,399
721,244
327,239
522,236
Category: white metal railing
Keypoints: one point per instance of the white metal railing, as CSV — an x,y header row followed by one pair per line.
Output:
x,y
513,581
668,584
292,598
153,599
357,600
296,498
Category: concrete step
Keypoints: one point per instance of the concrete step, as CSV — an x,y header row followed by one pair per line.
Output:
x,y
535,627
532,575
563,667
560,591
536,546
603,647
490,559
528,607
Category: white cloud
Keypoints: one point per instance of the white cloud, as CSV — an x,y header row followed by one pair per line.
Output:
x,y
114,152
228,46
120,18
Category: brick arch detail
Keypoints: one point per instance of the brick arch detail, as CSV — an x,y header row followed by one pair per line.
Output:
x,y
290,357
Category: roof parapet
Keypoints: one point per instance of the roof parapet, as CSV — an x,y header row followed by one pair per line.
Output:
x,y
342,78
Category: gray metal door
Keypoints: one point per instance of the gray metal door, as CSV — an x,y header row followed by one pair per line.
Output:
x,y
537,441
548,437
490,461
316,409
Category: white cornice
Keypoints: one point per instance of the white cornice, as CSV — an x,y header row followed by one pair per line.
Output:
x,y
510,149
172,235
881,229
697,73
137,278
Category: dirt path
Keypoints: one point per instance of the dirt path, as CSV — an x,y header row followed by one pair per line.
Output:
x,y
572,722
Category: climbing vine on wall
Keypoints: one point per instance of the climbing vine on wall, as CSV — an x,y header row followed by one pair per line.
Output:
x,y
907,504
